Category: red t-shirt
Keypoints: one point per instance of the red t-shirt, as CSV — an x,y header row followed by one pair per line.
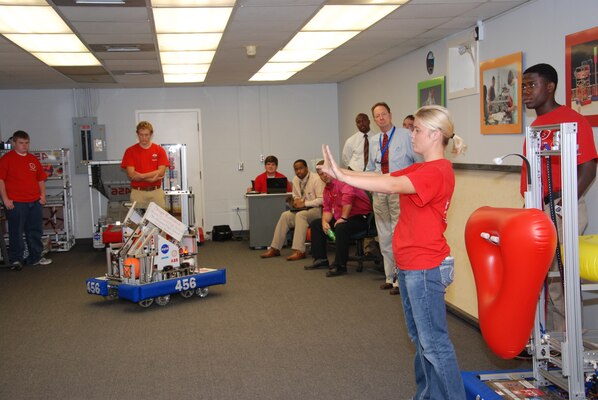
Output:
x,y
260,184
585,144
145,160
21,175
418,241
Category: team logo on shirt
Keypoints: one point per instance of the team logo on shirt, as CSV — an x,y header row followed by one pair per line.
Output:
x,y
155,157
32,167
445,212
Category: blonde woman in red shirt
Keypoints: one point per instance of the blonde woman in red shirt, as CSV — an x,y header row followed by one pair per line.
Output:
x,y
425,267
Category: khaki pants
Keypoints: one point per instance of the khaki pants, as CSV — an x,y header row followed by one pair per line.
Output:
x,y
143,198
386,210
299,220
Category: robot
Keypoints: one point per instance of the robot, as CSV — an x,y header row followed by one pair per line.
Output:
x,y
155,259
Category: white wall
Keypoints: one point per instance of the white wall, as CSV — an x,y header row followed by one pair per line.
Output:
x,y
238,124
537,29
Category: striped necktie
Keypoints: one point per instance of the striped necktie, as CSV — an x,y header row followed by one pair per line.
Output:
x,y
384,161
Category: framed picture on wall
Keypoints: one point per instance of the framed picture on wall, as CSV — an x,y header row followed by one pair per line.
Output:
x,y
500,97
581,73
431,92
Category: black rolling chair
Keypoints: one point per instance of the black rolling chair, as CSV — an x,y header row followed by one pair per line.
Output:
x,y
359,237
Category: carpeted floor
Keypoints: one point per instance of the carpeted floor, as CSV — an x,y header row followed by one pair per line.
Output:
x,y
274,331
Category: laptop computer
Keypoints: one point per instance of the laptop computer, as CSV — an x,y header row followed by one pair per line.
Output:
x,y
276,185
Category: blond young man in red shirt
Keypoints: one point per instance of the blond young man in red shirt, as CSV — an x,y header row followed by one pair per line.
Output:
x,y
145,163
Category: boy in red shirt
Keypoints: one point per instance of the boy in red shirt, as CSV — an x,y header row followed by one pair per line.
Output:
x,y
145,163
23,192
260,183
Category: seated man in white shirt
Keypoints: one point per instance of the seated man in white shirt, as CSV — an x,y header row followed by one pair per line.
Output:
x,y
306,206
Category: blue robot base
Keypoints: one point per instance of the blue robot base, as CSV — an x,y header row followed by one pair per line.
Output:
x,y
160,291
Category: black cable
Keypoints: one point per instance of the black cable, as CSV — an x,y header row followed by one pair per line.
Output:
x,y
553,217
240,221
240,236
96,180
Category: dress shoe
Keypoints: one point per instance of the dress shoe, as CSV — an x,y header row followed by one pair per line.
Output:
x,y
272,252
322,262
336,270
386,286
297,255
394,291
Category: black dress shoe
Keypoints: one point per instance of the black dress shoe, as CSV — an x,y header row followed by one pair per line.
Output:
x,y
336,270
394,291
320,263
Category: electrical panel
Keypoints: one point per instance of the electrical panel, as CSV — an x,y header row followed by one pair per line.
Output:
x,y
90,142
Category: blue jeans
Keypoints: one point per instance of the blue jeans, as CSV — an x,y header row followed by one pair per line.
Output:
x,y
437,373
25,218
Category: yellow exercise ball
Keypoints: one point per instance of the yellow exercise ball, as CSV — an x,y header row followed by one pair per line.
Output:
x,y
588,257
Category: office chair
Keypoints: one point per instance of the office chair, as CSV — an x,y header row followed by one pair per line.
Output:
x,y
359,237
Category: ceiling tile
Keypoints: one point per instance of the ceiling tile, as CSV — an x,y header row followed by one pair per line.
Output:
x,y
267,24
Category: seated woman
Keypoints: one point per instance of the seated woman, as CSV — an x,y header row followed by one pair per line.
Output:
x,y
260,181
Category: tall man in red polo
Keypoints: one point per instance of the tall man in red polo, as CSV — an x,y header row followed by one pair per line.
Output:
x,y
145,163
538,87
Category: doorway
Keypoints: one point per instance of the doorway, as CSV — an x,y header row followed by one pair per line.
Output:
x,y
181,127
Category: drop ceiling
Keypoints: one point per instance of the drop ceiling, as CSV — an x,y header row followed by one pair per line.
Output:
x,y
266,24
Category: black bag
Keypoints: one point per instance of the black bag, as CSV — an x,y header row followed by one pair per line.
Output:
x,y
220,233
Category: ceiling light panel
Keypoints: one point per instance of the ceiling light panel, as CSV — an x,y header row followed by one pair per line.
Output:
x,y
348,17
69,43
31,19
187,57
299,55
24,2
319,40
188,41
185,68
39,30
189,20
284,67
271,76
192,3
330,28
67,59
184,78
188,33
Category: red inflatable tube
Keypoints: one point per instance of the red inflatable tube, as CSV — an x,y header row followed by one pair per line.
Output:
x,y
510,251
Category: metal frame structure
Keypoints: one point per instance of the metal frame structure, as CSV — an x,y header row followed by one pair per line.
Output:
x,y
563,349
95,218
559,358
